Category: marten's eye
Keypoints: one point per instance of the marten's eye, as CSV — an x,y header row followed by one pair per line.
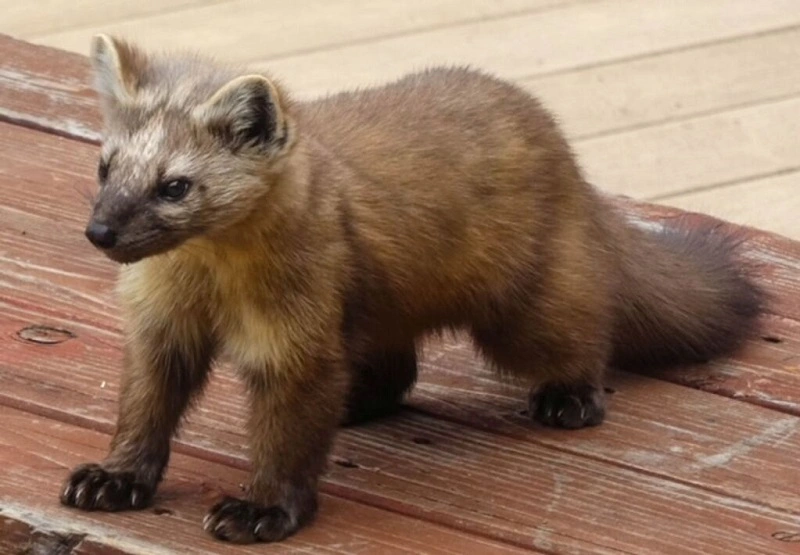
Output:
x,y
174,189
102,171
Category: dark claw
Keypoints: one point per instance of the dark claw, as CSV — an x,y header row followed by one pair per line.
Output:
x,y
91,487
240,521
569,407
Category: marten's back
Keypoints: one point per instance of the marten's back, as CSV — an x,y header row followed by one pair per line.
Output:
x,y
454,183
452,126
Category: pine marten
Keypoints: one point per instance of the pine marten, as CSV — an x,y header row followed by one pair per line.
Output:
x,y
314,244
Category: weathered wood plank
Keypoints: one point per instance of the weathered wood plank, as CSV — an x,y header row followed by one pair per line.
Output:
x,y
655,89
511,485
250,29
779,196
19,537
47,88
703,440
710,150
36,453
50,16
551,41
622,95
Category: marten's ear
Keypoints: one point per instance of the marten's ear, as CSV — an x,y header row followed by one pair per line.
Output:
x,y
246,111
118,68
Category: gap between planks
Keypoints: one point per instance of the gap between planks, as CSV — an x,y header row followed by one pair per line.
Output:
x,y
305,26
779,190
571,39
47,17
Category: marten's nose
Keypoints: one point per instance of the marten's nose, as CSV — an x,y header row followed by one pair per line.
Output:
x,y
101,235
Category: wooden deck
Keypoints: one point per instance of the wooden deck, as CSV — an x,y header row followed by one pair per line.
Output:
x,y
690,103
698,460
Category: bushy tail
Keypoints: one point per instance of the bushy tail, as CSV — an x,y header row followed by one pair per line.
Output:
x,y
685,297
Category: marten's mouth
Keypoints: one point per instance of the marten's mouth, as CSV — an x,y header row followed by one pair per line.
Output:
x,y
132,244
124,257
134,252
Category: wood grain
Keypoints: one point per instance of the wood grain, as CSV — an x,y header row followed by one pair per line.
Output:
x,y
22,21
677,157
47,89
778,192
37,453
645,91
578,35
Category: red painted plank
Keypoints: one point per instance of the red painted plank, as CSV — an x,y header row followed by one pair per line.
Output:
x,y
48,89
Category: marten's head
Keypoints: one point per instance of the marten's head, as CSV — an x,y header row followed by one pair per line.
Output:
x,y
188,146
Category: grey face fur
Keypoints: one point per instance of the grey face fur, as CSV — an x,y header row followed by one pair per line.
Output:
x,y
212,135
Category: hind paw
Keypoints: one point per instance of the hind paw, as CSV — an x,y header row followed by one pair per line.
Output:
x,y
567,406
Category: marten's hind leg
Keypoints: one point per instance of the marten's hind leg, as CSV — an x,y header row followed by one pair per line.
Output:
x,y
565,367
380,381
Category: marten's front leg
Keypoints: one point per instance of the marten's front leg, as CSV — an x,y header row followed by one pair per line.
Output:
x,y
295,413
165,365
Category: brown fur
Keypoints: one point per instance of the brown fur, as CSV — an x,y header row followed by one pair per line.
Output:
x,y
321,241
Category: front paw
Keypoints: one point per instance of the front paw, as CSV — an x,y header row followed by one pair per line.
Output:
x,y
91,487
240,521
